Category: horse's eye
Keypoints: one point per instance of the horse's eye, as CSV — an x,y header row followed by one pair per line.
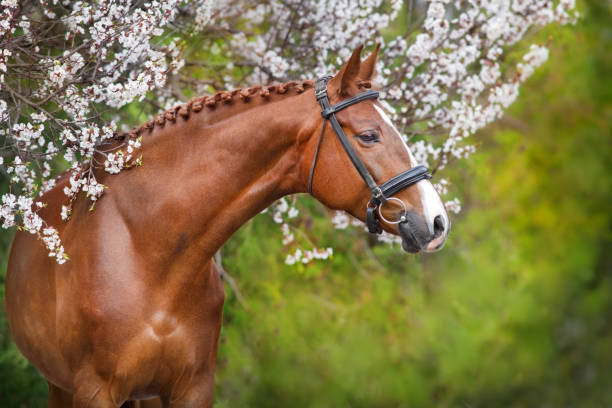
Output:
x,y
369,137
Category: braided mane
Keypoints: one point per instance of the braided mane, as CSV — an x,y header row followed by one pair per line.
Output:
x,y
197,104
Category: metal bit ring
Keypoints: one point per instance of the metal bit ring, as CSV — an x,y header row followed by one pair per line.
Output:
x,y
404,212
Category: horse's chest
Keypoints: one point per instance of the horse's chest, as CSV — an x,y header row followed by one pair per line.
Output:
x,y
170,348
148,334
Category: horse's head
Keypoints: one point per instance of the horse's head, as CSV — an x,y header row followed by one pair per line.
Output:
x,y
416,212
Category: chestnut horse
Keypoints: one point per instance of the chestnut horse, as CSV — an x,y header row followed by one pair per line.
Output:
x,y
135,313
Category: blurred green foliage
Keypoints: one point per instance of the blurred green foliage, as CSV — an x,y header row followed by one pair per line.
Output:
x,y
516,311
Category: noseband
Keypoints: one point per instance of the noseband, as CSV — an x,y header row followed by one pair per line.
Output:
x,y
380,193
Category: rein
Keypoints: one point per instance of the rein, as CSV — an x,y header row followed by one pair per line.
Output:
x,y
380,193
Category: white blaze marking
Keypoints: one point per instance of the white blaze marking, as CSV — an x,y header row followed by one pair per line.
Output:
x,y
430,199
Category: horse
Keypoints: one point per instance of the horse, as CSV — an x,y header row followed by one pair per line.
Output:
x,y
135,312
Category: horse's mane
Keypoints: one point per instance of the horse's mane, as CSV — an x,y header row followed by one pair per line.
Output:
x,y
197,104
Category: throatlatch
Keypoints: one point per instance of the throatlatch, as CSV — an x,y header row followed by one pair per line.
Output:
x,y
380,194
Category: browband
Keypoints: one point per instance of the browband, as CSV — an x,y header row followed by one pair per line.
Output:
x,y
348,102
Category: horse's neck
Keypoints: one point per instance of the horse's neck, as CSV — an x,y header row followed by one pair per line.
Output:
x,y
201,180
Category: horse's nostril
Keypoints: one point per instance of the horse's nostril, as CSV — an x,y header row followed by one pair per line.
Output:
x,y
438,225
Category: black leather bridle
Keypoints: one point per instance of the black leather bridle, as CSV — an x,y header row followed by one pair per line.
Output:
x,y
380,193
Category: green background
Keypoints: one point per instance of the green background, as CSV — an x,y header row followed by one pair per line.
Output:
x,y
516,311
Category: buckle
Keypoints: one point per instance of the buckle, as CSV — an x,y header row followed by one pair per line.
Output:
x,y
378,194
321,93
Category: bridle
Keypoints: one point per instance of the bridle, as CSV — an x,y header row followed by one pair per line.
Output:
x,y
382,193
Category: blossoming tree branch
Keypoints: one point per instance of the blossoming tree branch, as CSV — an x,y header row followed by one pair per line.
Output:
x,y
72,74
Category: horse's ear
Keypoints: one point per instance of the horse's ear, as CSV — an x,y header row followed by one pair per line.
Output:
x,y
368,66
348,74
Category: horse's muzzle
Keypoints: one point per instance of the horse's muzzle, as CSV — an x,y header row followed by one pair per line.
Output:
x,y
417,235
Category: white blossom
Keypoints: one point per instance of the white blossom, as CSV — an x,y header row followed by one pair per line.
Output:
x,y
340,220
453,205
69,91
448,78
536,56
